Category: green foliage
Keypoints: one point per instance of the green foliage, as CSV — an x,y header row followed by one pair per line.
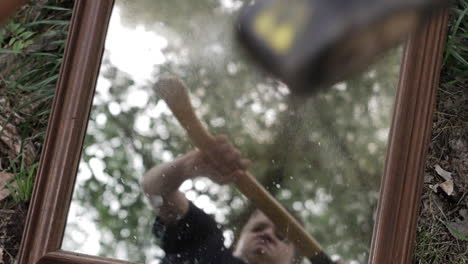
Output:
x,y
34,77
21,186
456,51
37,83
20,37
31,46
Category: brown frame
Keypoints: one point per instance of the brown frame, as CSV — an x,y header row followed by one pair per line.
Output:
x,y
395,228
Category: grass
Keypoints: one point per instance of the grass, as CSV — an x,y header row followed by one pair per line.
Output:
x,y
434,243
31,49
21,189
456,49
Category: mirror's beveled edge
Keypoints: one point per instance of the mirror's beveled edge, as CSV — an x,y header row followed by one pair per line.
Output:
x,y
53,186
400,192
394,231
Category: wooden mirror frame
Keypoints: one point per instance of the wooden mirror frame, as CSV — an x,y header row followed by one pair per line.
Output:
x,y
400,191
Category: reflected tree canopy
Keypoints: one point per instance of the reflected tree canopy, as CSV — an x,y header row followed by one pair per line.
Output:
x,y
323,157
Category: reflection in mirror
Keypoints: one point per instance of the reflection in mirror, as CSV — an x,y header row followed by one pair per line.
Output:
x,y
322,157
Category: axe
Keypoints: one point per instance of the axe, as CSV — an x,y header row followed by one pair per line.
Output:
x,y
175,94
312,44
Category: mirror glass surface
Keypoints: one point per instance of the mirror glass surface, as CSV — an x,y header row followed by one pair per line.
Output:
x,y
322,157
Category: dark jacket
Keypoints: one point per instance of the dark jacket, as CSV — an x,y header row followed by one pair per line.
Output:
x,y
194,239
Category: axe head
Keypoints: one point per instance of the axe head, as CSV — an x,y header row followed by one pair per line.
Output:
x,y
309,44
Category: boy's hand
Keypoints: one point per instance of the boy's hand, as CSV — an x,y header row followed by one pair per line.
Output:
x,y
222,163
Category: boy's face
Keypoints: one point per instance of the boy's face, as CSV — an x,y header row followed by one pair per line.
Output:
x,y
260,243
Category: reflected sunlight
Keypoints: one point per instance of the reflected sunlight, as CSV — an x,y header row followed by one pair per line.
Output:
x,y
134,50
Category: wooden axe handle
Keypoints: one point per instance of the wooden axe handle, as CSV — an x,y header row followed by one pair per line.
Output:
x,y
176,96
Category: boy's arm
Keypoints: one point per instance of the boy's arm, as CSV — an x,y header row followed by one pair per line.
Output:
x,y
222,164
161,184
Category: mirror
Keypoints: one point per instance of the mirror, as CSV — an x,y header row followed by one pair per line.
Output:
x,y
314,156
322,157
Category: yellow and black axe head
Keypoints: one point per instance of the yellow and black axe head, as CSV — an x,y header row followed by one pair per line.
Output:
x,y
309,44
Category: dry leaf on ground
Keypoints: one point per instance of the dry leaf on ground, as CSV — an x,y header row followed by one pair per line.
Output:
x,y
10,137
459,229
447,187
443,173
4,180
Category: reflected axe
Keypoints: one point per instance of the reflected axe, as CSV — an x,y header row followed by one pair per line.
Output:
x,y
175,94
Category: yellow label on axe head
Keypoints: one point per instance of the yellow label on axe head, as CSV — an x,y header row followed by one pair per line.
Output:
x,y
278,24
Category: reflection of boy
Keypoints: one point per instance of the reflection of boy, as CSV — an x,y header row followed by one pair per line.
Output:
x,y
191,236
